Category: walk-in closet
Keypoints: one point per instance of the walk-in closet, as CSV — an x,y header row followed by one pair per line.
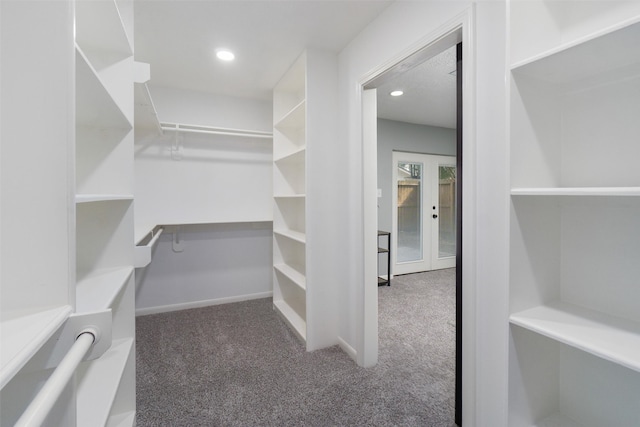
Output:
x,y
213,175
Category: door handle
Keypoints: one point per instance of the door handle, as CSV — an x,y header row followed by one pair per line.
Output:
x,y
435,216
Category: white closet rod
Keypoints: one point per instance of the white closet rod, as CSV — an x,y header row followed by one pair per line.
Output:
x,y
154,238
39,409
175,127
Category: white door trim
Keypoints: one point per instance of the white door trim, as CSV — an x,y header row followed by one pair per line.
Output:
x,y
460,28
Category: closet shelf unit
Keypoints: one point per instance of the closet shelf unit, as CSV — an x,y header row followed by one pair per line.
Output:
x,y
578,191
104,204
291,234
575,209
23,335
100,289
118,359
611,338
289,187
145,113
80,204
303,123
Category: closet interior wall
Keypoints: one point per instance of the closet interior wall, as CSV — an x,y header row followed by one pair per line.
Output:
x,y
212,194
67,207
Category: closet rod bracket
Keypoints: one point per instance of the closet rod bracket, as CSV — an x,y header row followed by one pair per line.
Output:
x,y
98,323
177,245
177,148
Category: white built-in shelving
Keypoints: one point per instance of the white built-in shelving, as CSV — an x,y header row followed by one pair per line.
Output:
x,y
575,214
289,171
147,122
303,123
104,204
67,186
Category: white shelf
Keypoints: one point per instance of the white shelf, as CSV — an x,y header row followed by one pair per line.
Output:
x,y
95,107
98,383
298,324
557,420
293,235
127,419
99,289
24,334
599,53
294,119
146,116
293,274
99,27
610,338
578,191
296,155
289,196
91,198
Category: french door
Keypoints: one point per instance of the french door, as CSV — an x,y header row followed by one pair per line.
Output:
x,y
424,212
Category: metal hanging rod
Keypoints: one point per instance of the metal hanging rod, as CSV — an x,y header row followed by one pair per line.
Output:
x,y
176,127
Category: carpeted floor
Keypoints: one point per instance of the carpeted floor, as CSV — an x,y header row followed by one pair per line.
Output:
x,y
238,365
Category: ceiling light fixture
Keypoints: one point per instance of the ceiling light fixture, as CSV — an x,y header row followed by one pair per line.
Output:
x,y
396,93
225,55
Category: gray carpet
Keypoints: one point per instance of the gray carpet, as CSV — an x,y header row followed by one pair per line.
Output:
x,y
238,365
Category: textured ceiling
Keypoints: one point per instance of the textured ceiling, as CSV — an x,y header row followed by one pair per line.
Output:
x,y
429,93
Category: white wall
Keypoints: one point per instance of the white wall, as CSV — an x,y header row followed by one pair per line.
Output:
x,y
400,136
395,31
218,178
221,180
218,264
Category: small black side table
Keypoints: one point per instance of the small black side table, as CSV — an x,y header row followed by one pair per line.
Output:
x,y
382,250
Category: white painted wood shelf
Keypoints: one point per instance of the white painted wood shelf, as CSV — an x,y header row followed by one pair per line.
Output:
x,y
94,104
145,113
289,196
98,381
291,316
608,337
23,334
99,289
293,273
557,420
294,119
92,198
578,191
99,26
590,56
304,126
574,104
296,155
293,235
128,419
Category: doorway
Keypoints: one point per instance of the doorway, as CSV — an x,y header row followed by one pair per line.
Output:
x,y
369,347
423,212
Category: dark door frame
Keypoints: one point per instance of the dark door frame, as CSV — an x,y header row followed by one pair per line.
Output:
x,y
459,189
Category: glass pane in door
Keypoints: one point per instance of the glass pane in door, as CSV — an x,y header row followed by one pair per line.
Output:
x,y
447,214
409,211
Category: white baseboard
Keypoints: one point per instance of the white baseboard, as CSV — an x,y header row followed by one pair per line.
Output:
x,y
347,348
198,304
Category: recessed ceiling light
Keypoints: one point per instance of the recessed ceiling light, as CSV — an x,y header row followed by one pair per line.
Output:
x,y
225,55
396,93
